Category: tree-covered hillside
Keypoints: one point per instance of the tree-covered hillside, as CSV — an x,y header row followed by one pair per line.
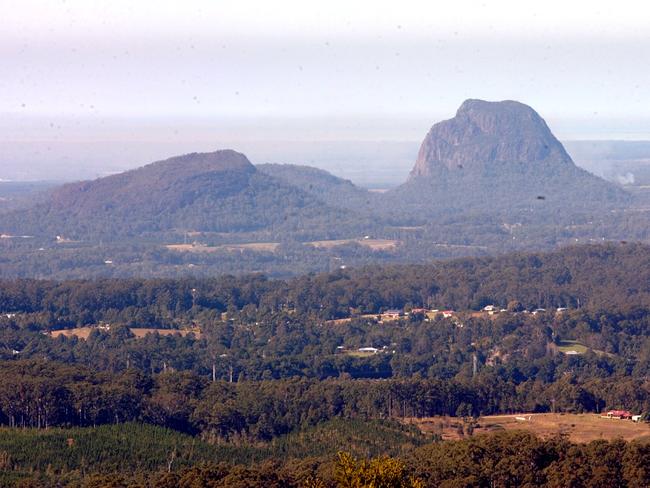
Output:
x,y
262,381
218,192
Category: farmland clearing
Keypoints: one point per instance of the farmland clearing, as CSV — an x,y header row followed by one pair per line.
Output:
x,y
578,427
374,244
139,333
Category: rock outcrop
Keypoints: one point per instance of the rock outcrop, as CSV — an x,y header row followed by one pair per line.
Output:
x,y
499,157
483,135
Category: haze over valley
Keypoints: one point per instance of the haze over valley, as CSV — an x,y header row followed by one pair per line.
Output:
x,y
370,163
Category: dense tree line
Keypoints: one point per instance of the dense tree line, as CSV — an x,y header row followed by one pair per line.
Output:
x,y
46,394
504,460
129,447
597,276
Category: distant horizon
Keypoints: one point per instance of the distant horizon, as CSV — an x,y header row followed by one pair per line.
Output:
x,y
367,163
96,87
60,148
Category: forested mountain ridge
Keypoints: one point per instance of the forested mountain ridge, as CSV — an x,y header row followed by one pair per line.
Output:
x,y
202,192
18,194
332,190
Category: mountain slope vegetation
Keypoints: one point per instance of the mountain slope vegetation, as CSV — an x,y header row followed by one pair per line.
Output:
x,y
210,192
332,190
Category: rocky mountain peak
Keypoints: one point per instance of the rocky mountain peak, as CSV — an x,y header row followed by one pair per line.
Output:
x,y
485,135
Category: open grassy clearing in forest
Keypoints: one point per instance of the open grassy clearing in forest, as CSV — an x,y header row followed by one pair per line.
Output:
x,y
571,347
139,333
360,354
252,246
567,346
248,246
578,427
409,227
374,244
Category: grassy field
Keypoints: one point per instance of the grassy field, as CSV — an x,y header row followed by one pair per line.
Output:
x,y
84,332
408,227
578,427
252,246
575,347
360,354
339,321
374,244
191,248
248,246
567,346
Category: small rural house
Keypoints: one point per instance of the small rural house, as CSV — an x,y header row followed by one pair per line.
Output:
x,y
418,311
619,414
391,314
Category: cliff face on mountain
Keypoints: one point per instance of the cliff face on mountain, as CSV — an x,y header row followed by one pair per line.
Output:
x,y
499,157
485,135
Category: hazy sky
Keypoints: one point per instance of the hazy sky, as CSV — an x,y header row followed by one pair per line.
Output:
x,y
302,70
